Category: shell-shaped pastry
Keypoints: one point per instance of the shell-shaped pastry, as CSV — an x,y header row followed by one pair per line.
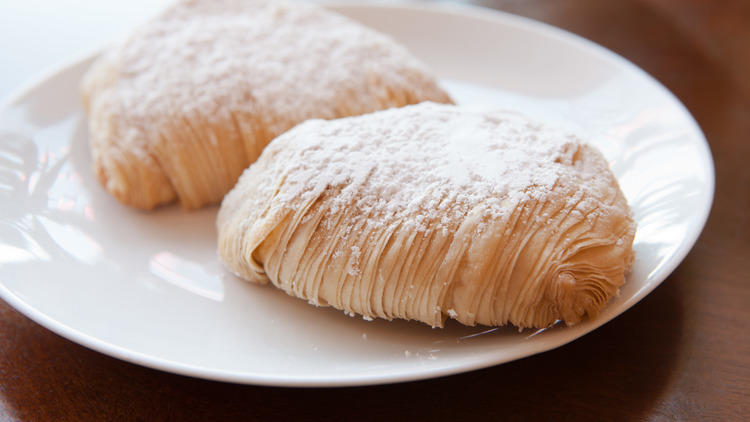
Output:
x,y
182,107
432,211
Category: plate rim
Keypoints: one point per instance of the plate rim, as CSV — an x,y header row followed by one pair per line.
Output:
x,y
495,17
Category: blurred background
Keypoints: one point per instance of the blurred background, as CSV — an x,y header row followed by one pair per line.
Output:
x,y
38,34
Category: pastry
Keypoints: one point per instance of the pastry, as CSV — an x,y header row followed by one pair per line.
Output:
x,y
431,212
184,105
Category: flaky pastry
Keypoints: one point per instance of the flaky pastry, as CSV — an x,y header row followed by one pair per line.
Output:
x,y
184,105
431,212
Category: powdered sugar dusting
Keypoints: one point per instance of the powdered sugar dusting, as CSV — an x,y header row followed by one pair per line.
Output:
x,y
426,166
215,56
353,264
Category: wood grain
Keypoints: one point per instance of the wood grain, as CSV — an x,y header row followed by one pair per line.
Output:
x,y
683,353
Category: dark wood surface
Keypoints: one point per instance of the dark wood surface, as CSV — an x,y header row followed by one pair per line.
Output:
x,y
683,353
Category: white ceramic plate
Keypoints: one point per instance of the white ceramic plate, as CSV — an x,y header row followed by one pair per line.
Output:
x,y
148,288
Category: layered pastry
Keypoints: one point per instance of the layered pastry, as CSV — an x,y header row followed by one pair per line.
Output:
x,y
431,212
178,110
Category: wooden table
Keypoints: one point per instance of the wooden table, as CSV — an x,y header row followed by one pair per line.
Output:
x,y
683,353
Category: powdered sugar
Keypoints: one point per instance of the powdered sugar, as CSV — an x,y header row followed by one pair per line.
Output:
x,y
428,165
210,57
353,264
